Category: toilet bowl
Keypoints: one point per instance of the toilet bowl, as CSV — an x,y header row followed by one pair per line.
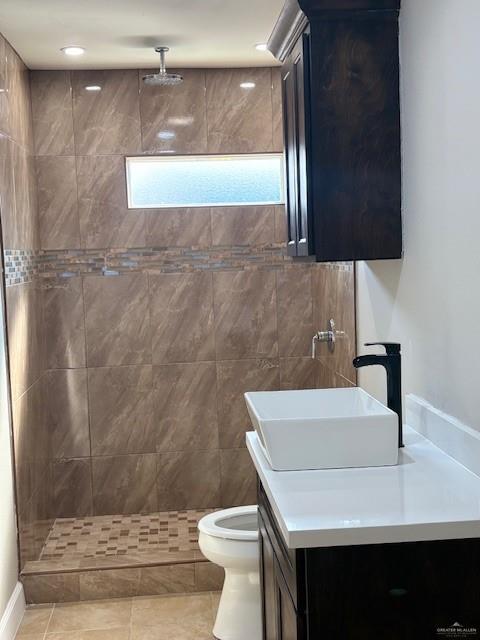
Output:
x,y
229,538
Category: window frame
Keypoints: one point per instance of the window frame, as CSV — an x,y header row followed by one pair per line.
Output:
x,y
154,158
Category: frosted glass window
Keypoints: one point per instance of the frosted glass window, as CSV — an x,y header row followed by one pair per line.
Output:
x,y
203,181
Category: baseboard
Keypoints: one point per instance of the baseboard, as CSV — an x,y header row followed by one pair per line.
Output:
x,y
456,439
13,614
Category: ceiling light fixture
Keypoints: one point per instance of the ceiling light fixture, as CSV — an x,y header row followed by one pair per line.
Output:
x,y
247,85
93,87
261,46
73,50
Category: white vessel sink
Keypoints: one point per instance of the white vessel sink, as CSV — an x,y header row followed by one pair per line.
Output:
x,y
323,429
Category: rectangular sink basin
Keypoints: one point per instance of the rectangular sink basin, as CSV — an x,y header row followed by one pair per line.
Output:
x,y
323,429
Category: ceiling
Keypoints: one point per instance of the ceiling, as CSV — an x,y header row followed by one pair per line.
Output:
x,y
123,33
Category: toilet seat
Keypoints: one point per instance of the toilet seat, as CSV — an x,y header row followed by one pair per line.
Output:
x,y
237,523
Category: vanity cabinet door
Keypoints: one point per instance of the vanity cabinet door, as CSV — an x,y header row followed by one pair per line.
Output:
x,y
267,584
289,623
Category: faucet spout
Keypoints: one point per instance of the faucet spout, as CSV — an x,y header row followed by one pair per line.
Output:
x,y
392,362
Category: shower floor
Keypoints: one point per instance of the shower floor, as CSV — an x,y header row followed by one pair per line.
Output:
x,y
121,556
102,537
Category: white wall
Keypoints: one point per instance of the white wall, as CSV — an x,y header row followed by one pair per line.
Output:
x,y
430,301
8,533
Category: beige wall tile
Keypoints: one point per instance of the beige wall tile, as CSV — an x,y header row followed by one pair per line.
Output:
x,y
280,224
24,304
245,314
72,488
57,202
174,118
174,578
117,320
114,583
21,225
124,484
295,311
239,120
52,113
182,317
188,480
106,121
19,109
186,407
60,587
238,478
4,117
277,114
67,413
64,324
243,225
188,227
105,220
234,378
297,373
208,576
121,410
7,192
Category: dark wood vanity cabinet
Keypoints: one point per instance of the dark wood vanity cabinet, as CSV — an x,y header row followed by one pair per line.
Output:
x,y
341,110
407,591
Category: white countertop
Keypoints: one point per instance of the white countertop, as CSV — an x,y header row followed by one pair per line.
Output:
x,y
427,496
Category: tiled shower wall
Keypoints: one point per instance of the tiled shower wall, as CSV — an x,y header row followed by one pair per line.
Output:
x,y
156,321
18,207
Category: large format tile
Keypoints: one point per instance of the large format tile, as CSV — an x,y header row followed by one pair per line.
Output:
x,y
174,118
56,587
124,484
57,202
72,488
188,480
7,192
175,609
24,336
21,231
238,478
243,225
105,220
67,413
120,633
52,113
64,324
295,311
277,115
121,410
109,583
245,314
239,119
182,317
297,373
187,227
234,378
4,121
106,121
104,614
186,407
117,320
18,89
173,578
35,620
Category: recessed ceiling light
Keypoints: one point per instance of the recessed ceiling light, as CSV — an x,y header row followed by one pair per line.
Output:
x,y
181,121
261,46
247,85
93,87
73,50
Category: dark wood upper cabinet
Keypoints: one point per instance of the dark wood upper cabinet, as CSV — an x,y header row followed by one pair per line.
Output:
x,y
340,83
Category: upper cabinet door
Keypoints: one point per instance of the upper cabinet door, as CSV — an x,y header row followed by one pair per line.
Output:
x,y
342,128
296,105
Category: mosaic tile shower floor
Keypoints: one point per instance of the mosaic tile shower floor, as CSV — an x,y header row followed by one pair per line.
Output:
x,y
103,537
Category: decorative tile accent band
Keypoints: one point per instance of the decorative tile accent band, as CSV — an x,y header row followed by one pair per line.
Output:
x,y
21,266
24,266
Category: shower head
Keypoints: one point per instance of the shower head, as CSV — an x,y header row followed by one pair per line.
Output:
x,y
162,78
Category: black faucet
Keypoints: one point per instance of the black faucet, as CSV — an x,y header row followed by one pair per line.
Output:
x,y
392,361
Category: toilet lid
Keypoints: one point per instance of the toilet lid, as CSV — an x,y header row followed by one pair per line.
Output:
x,y
237,523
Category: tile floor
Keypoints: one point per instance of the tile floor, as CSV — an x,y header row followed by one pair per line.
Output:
x,y
175,617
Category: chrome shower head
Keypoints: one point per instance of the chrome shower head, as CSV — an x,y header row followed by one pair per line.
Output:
x,y
162,78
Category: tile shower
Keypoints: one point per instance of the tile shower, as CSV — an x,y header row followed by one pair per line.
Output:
x,y
134,333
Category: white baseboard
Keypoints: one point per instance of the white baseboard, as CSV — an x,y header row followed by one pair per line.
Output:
x,y
13,614
456,439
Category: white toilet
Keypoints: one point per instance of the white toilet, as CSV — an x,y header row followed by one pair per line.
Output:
x,y
229,538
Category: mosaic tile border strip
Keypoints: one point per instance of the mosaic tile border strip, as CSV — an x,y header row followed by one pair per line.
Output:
x,y
21,266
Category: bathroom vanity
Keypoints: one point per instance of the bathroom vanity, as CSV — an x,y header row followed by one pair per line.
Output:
x,y
389,552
